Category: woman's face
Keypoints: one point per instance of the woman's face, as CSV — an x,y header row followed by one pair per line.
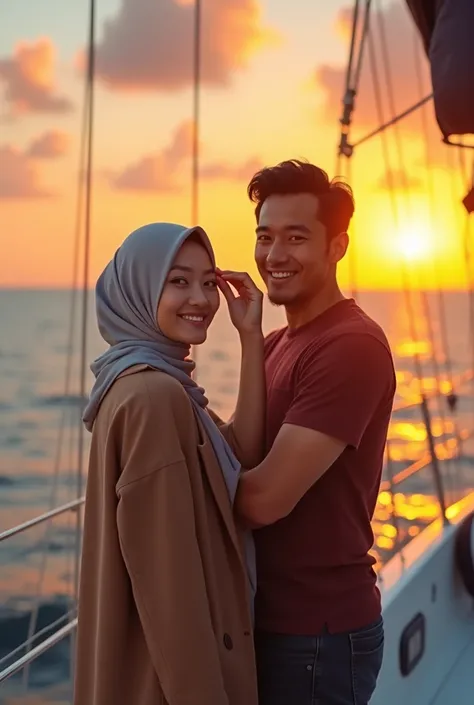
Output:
x,y
190,297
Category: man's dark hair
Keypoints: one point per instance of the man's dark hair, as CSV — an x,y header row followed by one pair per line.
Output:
x,y
336,202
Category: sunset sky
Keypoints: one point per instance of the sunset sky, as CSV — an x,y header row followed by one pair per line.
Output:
x,y
272,81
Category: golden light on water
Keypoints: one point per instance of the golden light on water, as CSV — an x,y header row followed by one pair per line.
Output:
x,y
409,348
400,518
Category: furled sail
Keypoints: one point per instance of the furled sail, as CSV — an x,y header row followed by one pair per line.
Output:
x,y
447,30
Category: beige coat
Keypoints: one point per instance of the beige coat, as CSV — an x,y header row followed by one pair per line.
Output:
x,y
163,610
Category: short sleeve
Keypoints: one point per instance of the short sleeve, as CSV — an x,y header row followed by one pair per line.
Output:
x,y
272,339
340,386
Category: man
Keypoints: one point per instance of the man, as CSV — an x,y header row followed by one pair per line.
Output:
x,y
331,383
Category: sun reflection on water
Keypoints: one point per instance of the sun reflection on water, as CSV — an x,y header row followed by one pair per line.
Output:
x,y
399,519
401,516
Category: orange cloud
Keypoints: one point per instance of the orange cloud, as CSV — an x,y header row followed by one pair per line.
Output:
x,y
158,172
29,79
50,145
148,45
162,172
231,172
19,176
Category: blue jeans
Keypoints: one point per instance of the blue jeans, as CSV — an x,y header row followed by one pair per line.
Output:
x,y
330,669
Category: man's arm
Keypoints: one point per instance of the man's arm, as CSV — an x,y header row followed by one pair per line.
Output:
x,y
245,430
247,425
298,458
337,394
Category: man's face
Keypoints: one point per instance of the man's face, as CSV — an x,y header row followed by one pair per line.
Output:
x,y
292,252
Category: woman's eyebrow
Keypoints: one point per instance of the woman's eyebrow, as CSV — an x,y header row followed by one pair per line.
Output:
x,y
184,268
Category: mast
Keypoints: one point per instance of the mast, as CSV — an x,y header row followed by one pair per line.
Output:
x,y
196,126
196,113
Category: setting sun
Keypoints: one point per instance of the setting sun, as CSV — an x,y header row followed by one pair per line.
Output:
x,y
414,242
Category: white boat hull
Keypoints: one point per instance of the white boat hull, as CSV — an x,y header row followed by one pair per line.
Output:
x,y
425,581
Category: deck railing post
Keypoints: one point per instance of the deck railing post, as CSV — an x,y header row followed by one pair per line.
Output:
x,y
395,520
438,479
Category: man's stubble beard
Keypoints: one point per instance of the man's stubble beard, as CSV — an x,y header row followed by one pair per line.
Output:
x,y
274,303
296,302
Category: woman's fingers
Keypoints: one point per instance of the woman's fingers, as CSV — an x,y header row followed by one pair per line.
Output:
x,y
246,307
226,273
226,290
240,280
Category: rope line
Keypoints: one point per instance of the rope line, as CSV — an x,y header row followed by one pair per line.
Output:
x,y
84,148
442,313
351,88
352,81
89,131
385,125
413,329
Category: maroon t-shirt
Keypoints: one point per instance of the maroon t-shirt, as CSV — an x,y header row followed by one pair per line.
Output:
x,y
334,375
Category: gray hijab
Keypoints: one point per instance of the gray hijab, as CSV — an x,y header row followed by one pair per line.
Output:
x,y
127,296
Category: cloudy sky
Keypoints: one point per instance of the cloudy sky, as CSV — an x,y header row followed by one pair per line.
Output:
x,y
273,74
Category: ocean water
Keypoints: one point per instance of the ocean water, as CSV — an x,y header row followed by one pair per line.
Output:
x,y
39,421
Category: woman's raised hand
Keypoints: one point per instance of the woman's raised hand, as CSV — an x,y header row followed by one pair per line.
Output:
x,y
245,307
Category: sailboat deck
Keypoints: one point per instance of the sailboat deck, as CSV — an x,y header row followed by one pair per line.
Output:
x,y
458,687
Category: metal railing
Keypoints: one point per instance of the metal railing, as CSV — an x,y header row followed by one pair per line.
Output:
x,y
419,464
73,505
458,382
36,651
68,628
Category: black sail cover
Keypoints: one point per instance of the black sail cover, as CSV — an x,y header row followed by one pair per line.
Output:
x,y
447,30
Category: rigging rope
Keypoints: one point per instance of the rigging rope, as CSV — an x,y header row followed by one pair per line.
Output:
x,y
405,279
467,239
451,168
352,80
466,234
349,93
351,88
407,289
89,131
451,397
346,149
355,19
32,634
394,515
352,244
396,119
431,198
442,311
401,160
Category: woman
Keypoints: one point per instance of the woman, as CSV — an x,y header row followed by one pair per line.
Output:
x,y
164,606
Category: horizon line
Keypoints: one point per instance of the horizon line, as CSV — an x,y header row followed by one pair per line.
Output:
x,y
362,289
